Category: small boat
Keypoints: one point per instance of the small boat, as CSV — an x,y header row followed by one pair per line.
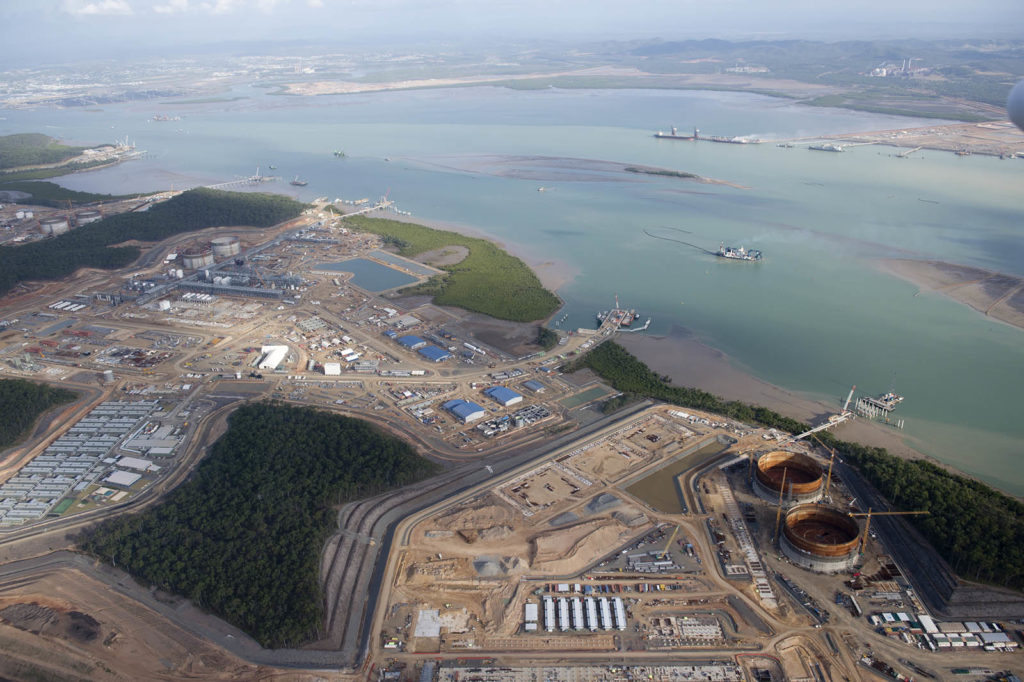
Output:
x,y
299,183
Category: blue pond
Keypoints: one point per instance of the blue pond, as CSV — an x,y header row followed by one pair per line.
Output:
x,y
369,275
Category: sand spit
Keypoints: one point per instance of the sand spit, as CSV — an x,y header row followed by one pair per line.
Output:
x,y
997,295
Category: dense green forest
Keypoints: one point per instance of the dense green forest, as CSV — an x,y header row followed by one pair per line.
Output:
x,y
488,280
242,537
7,177
29,149
21,403
978,530
546,338
52,194
89,245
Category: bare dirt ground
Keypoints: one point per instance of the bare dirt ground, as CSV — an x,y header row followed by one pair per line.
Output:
x,y
693,81
446,255
62,625
994,294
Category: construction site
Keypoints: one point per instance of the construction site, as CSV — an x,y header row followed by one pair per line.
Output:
x,y
558,542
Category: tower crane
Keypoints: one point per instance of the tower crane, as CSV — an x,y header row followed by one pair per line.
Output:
x,y
778,514
831,461
869,514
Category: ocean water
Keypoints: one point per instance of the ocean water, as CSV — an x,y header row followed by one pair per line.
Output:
x,y
817,316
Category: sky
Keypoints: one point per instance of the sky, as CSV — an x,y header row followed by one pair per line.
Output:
x,y
53,30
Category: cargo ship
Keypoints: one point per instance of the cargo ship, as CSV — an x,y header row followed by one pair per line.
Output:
x,y
740,253
299,183
674,135
827,147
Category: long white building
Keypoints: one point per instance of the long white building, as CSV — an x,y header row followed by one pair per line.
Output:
x,y
272,356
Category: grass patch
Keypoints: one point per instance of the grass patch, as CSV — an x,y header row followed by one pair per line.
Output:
x,y
488,280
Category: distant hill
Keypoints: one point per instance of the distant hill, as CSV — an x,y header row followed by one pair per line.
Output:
x,y
30,149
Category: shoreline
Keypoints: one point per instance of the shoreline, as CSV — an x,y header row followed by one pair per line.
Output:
x,y
552,273
688,362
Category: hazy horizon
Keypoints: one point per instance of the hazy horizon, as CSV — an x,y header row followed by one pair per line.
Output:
x,y
58,31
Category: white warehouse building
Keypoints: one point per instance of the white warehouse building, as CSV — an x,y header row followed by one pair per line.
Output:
x,y
272,356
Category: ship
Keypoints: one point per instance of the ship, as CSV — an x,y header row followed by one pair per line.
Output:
x,y
674,135
827,147
886,402
299,183
740,253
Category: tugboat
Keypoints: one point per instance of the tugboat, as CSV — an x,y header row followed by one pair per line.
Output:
x,y
299,183
740,253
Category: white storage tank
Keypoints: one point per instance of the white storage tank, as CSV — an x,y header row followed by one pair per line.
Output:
x,y
225,247
86,217
54,226
196,259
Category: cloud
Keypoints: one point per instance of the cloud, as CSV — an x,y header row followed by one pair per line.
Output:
x,y
172,7
315,3
229,6
103,7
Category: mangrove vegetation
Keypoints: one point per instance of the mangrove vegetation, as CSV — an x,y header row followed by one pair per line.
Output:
x,y
488,280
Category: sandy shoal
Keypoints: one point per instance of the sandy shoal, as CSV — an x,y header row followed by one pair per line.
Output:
x,y
996,295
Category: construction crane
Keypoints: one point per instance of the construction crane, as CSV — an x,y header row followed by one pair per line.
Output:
x,y
831,461
664,552
869,514
778,514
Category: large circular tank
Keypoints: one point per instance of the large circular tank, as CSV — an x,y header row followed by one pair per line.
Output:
x,y
802,474
820,538
194,258
225,247
54,226
86,217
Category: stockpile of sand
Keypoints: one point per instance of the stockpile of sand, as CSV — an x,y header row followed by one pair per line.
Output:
x,y
485,515
570,549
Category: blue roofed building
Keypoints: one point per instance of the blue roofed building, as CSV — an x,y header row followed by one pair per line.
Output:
x,y
534,386
411,341
465,410
434,354
503,396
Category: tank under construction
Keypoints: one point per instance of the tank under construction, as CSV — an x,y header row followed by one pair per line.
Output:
x,y
802,474
820,538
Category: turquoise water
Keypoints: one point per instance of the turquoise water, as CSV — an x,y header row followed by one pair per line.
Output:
x,y
368,275
815,317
